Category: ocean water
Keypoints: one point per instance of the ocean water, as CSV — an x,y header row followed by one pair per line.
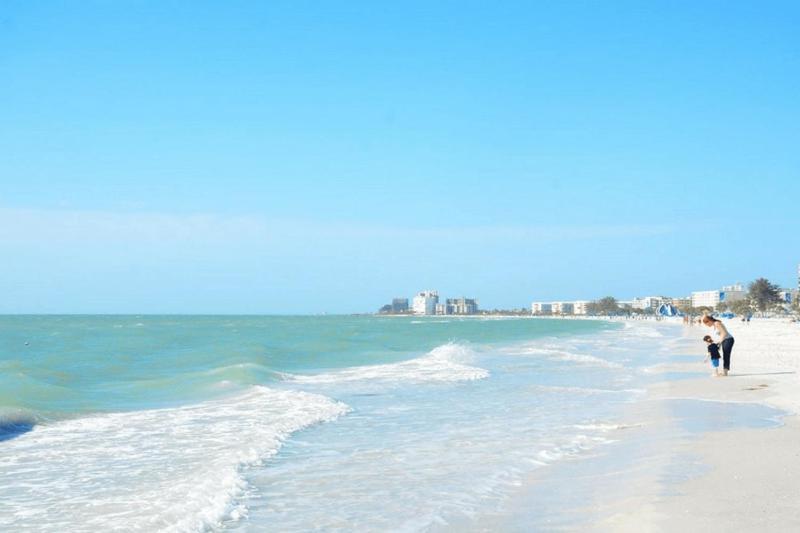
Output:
x,y
147,423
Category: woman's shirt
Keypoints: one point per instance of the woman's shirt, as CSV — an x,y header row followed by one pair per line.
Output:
x,y
722,330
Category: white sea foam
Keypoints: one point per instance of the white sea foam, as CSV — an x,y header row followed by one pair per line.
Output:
x,y
578,444
585,390
637,329
605,427
177,469
443,363
563,355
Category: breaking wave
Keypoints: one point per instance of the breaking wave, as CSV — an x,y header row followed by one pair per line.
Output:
x,y
184,465
442,364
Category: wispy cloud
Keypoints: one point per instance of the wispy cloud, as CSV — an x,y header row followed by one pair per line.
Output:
x,y
43,226
26,225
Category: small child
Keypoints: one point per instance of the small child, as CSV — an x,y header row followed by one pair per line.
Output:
x,y
713,353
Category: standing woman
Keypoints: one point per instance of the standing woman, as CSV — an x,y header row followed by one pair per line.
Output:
x,y
725,341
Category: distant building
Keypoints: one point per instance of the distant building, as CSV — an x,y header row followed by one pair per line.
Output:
x,y
457,306
462,306
562,308
579,307
400,305
728,294
648,302
541,308
705,298
425,302
682,302
736,287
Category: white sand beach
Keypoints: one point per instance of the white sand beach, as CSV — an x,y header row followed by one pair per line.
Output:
x,y
750,478
700,454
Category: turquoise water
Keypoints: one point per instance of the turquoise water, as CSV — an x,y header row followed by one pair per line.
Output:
x,y
147,423
56,365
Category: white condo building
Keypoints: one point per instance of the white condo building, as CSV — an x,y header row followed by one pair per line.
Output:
x,y
562,308
541,308
705,298
425,302
728,293
648,302
579,307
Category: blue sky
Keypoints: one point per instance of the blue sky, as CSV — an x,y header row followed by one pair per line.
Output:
x,y
302,157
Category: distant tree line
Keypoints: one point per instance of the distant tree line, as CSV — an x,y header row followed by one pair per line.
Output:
x,y
605,306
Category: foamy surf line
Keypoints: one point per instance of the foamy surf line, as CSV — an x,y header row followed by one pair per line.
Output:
x,y
175,470
562,355
442,364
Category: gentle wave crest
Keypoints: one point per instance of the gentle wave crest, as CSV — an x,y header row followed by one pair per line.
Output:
x,y
442,364
183,465
563,355
639,330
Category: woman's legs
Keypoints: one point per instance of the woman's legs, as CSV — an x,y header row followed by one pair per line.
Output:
x,y
727,346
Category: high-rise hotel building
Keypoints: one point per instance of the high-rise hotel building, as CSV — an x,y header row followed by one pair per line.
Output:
x,y
425,302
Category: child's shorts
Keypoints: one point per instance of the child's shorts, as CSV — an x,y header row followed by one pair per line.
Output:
x,y
715,362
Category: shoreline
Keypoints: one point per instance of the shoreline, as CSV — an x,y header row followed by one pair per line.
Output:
x,y
751,474
698,454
